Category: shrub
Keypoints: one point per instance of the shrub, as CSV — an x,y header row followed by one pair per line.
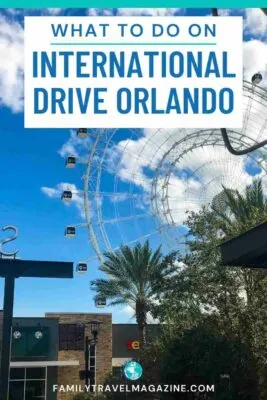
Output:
x,y
89,396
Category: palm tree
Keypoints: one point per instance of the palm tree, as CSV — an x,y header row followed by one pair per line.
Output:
x,y
135,277
242,211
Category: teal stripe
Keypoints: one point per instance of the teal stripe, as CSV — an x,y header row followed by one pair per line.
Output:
x,y
132,3
130,44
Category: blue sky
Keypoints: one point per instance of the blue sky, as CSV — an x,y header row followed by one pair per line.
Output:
x,y
33,173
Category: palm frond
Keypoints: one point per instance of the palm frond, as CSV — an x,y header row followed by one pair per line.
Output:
x,y
241,208
133,276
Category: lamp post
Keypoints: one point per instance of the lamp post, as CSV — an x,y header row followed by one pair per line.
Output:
x,y
94,327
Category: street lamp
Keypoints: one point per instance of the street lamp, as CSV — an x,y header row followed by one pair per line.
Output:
x,y
95,327
90,344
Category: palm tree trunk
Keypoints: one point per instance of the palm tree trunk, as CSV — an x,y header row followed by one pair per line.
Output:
x,y
142,334
141,312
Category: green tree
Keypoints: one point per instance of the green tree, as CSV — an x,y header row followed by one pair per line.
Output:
x,y
229,300
201,357
243,211
134,277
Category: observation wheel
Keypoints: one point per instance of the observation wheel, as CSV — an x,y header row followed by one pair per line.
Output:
x,y
140,184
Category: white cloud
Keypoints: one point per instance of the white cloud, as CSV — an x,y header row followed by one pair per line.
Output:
x,y
54,11
255,22
116,197
75,146
56,192
149,11
224,12
129,312
50,192
77,197
11,64
34,11
14,11
134,11
100,11
210,168
255,59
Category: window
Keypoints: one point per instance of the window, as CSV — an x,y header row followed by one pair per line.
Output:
x,y
71,337
27,384
35,390
35,373
16,390
17,373
117,371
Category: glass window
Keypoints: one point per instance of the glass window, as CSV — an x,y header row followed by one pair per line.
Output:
x,y
35,390
117,371
35,373
17,373
16,390
71,337
31,385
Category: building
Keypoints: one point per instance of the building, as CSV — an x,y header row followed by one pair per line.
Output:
x,y
51,350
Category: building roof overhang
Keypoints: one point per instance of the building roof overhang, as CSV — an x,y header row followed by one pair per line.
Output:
x,y
34,364
249,249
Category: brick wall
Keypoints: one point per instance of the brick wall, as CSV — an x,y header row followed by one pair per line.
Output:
x,y
70,375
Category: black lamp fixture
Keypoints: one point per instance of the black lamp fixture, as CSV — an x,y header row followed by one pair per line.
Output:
x,y
95,328
16,332
38,334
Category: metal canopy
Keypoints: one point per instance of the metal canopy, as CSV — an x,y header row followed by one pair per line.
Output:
x,y
248,249
35,269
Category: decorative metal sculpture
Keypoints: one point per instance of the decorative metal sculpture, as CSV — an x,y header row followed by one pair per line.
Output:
x,y
7,240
